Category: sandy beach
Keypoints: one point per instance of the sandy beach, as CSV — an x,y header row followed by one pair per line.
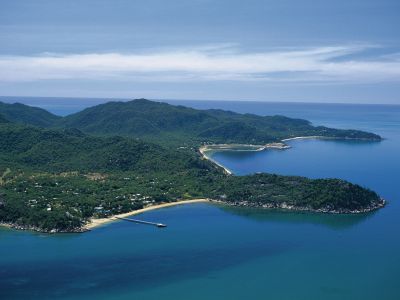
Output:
x,y
307,137
98,222
233,147
203,151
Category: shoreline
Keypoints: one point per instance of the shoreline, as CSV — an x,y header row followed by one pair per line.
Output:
x,y
94,223
238,147
293,208
309,137
281,145
321,137
203,151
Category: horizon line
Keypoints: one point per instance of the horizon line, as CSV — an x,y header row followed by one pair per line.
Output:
x,y
109,99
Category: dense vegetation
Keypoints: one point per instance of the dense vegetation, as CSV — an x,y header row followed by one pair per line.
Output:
x,y
176,125
42,150
53,179
3,119
149,119
25,114
274,191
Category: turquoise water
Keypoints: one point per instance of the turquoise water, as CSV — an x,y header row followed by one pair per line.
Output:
x,y
217,252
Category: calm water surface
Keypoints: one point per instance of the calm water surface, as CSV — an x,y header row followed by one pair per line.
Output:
x,y
216,252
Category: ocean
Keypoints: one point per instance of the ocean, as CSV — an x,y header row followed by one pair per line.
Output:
x,y
217,252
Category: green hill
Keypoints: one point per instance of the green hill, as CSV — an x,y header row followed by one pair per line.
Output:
x,y
24,114
70,149
154,120
171,124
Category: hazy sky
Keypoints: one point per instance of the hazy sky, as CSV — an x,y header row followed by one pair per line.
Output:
x,y
299,50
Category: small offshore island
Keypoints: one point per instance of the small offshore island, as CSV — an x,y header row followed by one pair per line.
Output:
x,y
69,174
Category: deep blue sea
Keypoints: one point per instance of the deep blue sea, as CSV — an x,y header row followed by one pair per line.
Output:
x,y
217,252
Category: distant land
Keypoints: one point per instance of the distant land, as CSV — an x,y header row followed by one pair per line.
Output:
x,y
58,173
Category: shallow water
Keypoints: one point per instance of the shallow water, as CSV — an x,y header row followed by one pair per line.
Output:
x,y
216,252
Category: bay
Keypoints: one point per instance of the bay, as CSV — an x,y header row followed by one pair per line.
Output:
x,y
218,252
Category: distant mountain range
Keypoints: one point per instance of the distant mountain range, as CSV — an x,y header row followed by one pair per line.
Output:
x,y
155,120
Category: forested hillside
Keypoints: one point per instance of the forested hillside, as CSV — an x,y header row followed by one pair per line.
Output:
x,y
149,119
24,114
177,125
55,180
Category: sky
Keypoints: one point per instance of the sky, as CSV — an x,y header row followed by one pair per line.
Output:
x,y
344,51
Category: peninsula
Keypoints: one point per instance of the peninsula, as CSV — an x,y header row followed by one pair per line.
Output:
x,y
60,174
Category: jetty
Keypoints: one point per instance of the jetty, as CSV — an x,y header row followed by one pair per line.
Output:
x,y
160,225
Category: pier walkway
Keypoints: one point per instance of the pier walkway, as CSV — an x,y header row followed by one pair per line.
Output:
x,y
160,225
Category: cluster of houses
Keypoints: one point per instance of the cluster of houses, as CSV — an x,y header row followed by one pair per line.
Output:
x,y
133,198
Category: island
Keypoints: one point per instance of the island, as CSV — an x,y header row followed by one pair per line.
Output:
x,y
60,174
